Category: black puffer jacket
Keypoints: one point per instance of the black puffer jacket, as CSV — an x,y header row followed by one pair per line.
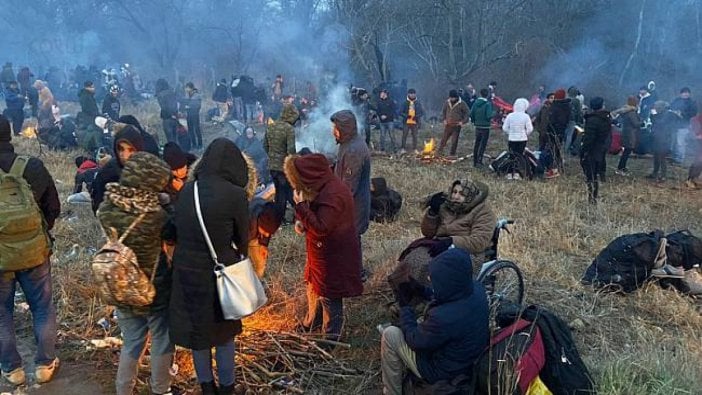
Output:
x,y
560,116
196,319
598,127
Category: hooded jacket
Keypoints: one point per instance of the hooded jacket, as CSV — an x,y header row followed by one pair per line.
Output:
x,y
385,202
517,124
598,126
150,144
455,113
353,165
469,224
113,169
279,141
253,148
333,249
481,113
85,175
631,124
142,178
455,330
225,184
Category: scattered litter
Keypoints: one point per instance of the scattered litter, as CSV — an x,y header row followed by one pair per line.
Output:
x,y
22,307
105,324
108,342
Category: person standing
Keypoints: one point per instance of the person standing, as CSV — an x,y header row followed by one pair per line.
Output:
x,y
111,105
541,122
279,142
631,124
7,75
518,127
664,124
598,125
89,135
324,208
353,167
411,113
15,107
454,114
195,313
192,102
220,96
137,196
558,123
386,113
686,108
31,268
576,118
696,167
169,109
481,113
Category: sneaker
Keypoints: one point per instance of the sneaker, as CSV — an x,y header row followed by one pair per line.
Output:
x,y
693,282
509,176
689,184
44,373
668,271
15,377
516,176
622,172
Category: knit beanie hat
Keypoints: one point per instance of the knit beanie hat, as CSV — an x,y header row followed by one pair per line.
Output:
x,y
174,156
596,103
5,130
453,93
560,94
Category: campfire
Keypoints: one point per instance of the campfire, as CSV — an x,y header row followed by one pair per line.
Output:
x,y
429,152
29,132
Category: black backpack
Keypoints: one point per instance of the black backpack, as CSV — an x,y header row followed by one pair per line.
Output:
x,y
626,263
684,249
565,372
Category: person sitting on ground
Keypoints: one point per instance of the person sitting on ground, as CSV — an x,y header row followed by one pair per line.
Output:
x,y
598,125
249,144
87,169
136,196
385,202
454,332
126,142
179,162
663,127
324,209
463,218
518,127
150,143
263,223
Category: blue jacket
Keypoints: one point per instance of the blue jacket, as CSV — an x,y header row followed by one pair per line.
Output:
x,y
13,100
455,330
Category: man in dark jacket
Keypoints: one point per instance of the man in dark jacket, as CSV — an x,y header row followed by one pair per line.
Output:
x,y
481,113
150,143
127,141
576,118
385,202
455,330
686,108
15,107
110,104
455,114
558,123
7,75
279,142
386,109
89,135
220,96
353,166
169,109
35,281
664,124
412,113
598,125
192,102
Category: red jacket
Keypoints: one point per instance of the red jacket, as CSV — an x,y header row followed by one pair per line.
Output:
x,y
333,266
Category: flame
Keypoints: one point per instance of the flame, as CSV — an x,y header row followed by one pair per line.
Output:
x,y
270,121
29,132
428,147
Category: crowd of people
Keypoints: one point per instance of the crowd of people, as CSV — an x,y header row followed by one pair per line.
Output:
x,y
148,195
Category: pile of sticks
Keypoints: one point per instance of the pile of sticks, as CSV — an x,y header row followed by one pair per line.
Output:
x,y
283,362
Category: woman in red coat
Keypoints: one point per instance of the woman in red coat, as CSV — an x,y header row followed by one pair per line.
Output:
x,y
324,208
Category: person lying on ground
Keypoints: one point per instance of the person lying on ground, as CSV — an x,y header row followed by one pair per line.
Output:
x,y
454,332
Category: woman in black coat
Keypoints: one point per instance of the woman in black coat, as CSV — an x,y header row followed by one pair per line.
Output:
x,y
225,184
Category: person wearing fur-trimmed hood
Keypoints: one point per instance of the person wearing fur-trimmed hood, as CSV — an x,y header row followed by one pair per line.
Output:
x,y
324,207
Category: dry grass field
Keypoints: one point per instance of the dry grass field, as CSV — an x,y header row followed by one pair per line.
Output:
x,y
648,342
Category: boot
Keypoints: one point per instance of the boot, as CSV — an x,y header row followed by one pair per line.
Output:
x,y
226,389
209,388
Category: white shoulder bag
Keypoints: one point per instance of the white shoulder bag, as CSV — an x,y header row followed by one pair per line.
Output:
x,y
240,291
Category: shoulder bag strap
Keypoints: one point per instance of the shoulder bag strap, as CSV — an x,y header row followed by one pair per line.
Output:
x,y
198,210
131,227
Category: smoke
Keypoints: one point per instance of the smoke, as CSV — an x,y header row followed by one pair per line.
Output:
x,y
317,134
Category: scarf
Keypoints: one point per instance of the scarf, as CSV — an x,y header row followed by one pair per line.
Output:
x,y
132,200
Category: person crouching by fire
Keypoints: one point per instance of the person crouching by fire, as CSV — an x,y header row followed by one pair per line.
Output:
x,y
325,210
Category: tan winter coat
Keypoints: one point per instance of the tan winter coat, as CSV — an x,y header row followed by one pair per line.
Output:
x,y
469,225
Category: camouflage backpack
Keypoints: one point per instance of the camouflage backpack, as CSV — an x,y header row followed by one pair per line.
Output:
x,y
24,242
116,271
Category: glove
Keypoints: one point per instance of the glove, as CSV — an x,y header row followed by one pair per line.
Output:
x,y
440,245
403,294
436,201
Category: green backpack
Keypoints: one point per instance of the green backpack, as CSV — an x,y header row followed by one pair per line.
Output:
x,y
24,242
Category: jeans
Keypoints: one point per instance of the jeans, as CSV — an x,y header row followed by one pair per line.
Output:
x,y
396,357
553,158
194,130
410,128
250,111
169,129
660,167
17,119
134,332
516,148
624,159
224,354
283,193
324,313
36,285
450,132
481,139
570,130
387,130
679,145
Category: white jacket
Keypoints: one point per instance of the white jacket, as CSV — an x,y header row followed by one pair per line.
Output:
x,y
518,125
